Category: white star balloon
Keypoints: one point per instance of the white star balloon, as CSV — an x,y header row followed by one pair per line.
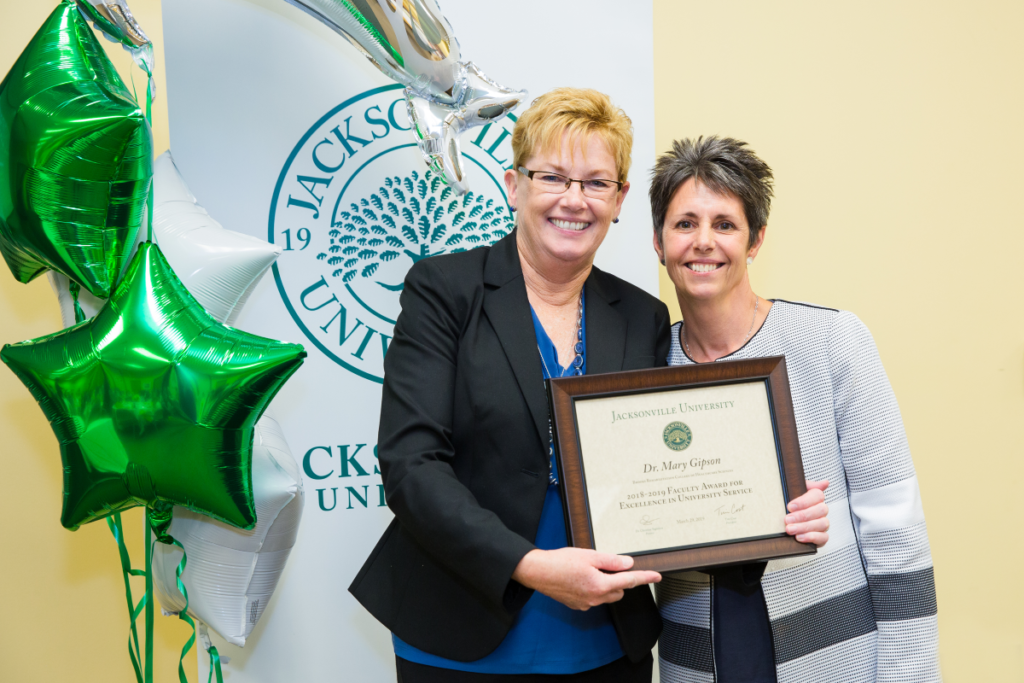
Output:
x,y
231,573
219,267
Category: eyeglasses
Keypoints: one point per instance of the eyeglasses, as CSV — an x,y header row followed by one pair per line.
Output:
x,y
556,183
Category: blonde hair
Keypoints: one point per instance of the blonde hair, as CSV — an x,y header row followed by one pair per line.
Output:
x,y
579,112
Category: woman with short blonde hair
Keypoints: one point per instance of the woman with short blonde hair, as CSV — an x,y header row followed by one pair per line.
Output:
x,y
572,114
473,576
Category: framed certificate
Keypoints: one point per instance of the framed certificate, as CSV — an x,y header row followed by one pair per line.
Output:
x,y
682,468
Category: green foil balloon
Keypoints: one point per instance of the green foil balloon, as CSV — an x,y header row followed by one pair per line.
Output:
x,y
76,158
154,401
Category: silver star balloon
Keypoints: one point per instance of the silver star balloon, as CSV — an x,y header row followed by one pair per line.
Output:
x,y
115,22
412,43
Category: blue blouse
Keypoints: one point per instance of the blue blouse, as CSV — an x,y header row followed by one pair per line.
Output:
x,y
547,637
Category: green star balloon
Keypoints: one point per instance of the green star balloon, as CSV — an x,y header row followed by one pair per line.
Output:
x,y
76,158
154,401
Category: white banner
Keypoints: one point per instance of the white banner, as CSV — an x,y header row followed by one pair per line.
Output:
x,y
284,131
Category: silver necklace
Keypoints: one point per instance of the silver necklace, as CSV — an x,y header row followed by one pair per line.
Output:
x,y
574,368
757,302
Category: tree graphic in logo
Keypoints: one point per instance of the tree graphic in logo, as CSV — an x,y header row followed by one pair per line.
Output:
x,y
416,216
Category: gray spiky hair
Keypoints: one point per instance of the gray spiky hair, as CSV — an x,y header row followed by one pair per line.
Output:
x,y
724,165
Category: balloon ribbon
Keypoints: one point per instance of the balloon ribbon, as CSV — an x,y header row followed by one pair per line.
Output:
x,y
159,519
143,671
149,117
74,288
143,674
215,665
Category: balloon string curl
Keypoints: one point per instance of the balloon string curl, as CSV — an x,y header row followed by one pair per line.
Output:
x,y
143,671
158,518
157,523
73,289
149,119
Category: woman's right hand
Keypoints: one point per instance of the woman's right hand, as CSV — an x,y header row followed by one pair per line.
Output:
x,y
580,578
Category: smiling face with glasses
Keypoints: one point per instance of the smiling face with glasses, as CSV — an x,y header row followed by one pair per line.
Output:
x,y
555,183
565,199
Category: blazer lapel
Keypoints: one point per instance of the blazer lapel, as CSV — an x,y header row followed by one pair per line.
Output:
x,y
508,309
606,328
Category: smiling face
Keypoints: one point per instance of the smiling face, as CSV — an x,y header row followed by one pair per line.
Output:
x,y
561,232
705,243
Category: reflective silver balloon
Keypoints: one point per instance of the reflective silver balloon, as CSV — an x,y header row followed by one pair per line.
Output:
x,y
438,126
115,21
412,43
117,13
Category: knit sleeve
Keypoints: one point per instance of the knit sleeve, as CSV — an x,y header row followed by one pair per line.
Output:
x,y
886,506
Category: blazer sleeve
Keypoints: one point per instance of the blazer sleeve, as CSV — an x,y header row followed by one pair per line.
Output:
x,y
886,505
416,447
663,342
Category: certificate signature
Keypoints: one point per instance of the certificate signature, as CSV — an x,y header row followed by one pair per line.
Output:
x,y
729,514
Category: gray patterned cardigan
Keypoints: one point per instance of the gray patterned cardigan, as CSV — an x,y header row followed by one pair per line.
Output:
x,y
864,608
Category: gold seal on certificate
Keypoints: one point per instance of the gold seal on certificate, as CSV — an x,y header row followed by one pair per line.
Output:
x,y
684,467
677,436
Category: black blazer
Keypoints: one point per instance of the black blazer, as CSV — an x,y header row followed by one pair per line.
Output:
x,y
463,448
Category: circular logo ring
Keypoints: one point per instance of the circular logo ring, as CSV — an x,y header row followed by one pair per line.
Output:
x,y
677,436
353,210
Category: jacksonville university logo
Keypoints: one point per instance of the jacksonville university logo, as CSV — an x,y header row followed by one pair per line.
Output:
x,y
677,436
355,207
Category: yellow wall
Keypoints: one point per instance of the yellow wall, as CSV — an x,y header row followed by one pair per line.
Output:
x,y
895,133
64,612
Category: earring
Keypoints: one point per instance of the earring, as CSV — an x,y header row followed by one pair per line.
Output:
x,y
750,260
662,260
512,209
615,220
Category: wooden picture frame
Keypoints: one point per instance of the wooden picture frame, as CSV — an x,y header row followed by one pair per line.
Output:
x,y
570,412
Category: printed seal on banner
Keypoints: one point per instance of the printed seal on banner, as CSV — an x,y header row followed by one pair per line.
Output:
x,y
354,208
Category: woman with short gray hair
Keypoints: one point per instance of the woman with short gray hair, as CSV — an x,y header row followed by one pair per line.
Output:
x,y
863,608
